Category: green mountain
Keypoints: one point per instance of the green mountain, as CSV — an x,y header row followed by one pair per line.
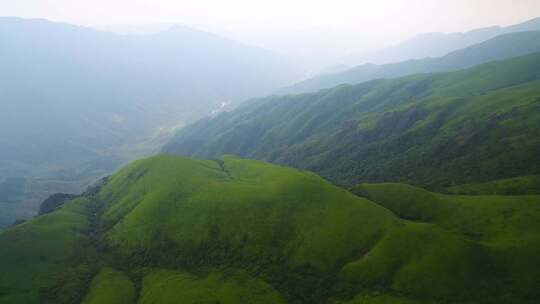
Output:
x,y
529,184
498,48
434,130
174,230
438,44
77,103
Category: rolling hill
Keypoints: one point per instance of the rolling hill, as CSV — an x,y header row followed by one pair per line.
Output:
x,y
77,102
169,229
498,48
434,130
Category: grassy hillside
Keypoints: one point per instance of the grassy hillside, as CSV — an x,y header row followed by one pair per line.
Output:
x,y
488,218
502,231
169,229
45,260
511,186
165,286
110,287
498,48
434,130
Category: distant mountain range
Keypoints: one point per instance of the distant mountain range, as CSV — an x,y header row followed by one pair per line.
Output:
x,y
437,44
500,47
434,130
431,193
75,98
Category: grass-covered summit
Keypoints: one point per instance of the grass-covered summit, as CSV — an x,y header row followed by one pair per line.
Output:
x,y
169,229
434,130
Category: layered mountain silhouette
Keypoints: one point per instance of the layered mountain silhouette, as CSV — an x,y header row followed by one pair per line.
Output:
x,y
498,48
434,130
438,44
77,102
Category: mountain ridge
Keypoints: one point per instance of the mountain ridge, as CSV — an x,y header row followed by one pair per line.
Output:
x,y
356,133
438,44
499,48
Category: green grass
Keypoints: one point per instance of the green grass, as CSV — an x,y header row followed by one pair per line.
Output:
x,y
427,262
378,298
110,287
496,237
290,212
492,219
37,257
288,227
511,186
432,130
168,229
232,287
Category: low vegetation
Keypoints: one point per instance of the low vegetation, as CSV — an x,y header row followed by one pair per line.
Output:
x,y
166,229
435,130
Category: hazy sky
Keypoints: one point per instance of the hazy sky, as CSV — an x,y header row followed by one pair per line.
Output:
x,y
277,23
396,17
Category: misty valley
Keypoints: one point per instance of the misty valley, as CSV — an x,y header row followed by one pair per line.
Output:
x,y
181,165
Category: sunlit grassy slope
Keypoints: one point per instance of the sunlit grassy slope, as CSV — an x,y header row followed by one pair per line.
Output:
x,y
434,130
110,287
174,230
498,234
254,209
37,258
165,286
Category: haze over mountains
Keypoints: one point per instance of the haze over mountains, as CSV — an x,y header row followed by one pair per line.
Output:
x,y
416,183
77,102
118,85
434,130
329,48
500,47
438,44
